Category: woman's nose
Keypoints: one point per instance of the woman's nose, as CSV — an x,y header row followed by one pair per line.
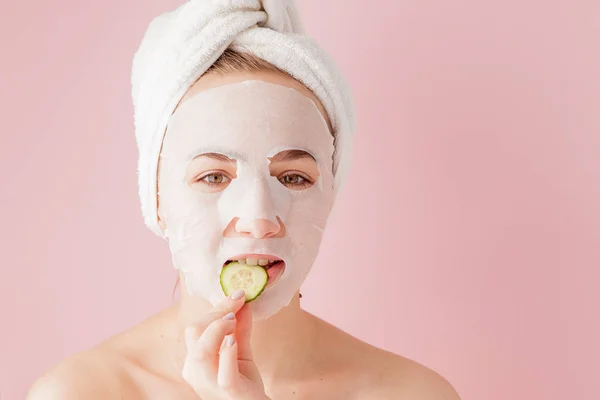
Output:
x,y
259,228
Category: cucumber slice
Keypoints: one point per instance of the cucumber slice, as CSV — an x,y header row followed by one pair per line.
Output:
x,y
252,278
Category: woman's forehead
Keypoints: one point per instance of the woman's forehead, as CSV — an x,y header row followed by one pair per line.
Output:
x,y
214,80
256,95
248,117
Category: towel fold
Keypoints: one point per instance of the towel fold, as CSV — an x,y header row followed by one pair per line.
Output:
x,y
180,45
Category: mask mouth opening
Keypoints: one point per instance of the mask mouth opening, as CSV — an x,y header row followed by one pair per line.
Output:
x,y
267,262
273,265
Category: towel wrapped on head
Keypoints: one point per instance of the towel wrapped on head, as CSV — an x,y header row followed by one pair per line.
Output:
x,y
180,45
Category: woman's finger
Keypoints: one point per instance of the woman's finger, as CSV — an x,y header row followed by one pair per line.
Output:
x,y
211,339
243,335
226,306
243,332
197,372
228,374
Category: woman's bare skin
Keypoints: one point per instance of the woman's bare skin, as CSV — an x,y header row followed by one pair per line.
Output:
x,y
299,356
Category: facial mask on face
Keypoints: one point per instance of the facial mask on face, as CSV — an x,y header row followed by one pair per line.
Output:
x,y
249,122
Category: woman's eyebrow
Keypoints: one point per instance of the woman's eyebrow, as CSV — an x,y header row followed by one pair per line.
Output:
x,y
291,155
216,156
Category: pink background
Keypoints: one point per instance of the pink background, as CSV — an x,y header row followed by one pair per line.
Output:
x,y
467,237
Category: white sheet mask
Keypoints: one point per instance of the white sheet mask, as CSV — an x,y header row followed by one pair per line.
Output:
x,y
250,122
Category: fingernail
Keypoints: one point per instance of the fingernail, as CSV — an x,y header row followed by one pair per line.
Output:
x,y
238,294
229,316
230,341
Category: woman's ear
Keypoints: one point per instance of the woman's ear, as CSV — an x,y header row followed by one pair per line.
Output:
x,y
163,228
162,224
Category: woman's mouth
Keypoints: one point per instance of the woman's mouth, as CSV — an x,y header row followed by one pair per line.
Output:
x,y
274,266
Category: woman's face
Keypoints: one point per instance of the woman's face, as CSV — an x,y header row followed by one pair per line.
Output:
x,y
246,172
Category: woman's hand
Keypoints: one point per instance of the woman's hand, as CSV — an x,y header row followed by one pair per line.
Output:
x,y
219,363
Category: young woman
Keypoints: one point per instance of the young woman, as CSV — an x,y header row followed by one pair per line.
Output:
x,y
246,178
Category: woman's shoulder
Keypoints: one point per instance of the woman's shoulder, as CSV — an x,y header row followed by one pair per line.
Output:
x,y
375,373
398,377
97,373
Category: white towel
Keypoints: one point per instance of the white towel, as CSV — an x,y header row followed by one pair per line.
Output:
x,y
180,45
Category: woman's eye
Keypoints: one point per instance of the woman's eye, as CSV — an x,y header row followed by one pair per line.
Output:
x,y
295,180
214,179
